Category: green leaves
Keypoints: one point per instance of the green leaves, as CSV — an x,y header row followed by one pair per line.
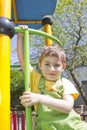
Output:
x,y
17,86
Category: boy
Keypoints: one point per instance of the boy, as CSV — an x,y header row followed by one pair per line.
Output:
x,y
52,95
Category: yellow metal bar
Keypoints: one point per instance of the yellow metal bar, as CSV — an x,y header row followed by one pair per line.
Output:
x,y
14,10
5,11
27,21
47,28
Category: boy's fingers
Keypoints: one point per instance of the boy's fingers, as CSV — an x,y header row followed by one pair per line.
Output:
x,y
23,26
26,93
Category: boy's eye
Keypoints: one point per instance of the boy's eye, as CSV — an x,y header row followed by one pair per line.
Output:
x,y
47,64
56,65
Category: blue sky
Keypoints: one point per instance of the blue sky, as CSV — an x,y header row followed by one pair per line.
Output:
x,y
13,56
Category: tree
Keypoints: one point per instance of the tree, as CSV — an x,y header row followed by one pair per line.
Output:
x,y
17,87
70,26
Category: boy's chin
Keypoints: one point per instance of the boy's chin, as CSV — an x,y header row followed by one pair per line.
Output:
x,y
52,80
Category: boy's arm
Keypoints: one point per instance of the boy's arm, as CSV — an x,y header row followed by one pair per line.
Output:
x,y
20,49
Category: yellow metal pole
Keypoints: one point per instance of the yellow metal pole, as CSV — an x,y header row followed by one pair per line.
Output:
x,y
47,28
5,11
47,23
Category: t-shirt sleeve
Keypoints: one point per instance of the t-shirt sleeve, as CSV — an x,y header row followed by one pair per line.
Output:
x,y
34,80
69,88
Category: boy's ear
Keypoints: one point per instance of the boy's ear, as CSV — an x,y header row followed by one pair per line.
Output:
x,y
39,64
64,66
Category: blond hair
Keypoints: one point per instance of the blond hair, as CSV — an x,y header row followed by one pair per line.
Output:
x,y
53,50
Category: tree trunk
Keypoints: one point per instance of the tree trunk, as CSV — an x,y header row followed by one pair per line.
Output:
x,y
82,92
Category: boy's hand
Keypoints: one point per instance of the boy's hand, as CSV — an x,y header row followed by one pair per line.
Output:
x,y
23,26
28,99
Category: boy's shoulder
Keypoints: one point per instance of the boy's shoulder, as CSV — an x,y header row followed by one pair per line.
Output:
x,y
69,88
65,79
35,72
67,82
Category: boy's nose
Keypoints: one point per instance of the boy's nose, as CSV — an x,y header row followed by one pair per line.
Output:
x,y
52,68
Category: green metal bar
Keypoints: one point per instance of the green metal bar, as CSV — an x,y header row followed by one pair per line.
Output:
x,y
27,77
40,33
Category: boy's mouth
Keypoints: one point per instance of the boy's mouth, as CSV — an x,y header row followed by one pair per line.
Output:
x,y
51,74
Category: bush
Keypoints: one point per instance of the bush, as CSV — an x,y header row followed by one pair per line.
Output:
x,y
17,87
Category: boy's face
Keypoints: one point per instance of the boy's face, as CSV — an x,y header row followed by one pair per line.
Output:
x,y
51,68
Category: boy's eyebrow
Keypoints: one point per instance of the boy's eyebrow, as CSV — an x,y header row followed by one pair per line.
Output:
x,y
47,61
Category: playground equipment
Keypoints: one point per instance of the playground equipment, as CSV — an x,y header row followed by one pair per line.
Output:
x,y
31,12
26,15
5,11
